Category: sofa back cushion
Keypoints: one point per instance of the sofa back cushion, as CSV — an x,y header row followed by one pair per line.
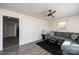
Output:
x,y
65,34
62,34
58,34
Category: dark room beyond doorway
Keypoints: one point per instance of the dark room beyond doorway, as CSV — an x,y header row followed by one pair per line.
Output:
x,y
10,32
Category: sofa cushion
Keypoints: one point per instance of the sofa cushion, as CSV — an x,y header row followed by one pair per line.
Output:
x,y
66,35
59,34
74,36
70,47
62,34
51,35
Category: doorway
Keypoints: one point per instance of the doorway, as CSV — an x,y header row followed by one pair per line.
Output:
x,y
10,32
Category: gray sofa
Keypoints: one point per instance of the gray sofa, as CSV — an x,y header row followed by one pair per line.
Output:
x,y
69,41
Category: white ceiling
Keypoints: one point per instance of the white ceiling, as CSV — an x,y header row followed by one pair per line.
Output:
x,y
40,10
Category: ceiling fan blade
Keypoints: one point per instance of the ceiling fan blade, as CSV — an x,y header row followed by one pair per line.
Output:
x,y
53,11
44,15
49,14
53,16
49,10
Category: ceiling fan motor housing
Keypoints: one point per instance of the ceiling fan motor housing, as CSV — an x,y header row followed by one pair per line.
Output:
x,y
49,10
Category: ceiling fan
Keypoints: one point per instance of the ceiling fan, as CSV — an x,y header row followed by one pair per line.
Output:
x,y
51,13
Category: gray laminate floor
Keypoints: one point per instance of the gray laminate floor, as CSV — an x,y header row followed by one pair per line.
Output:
x,y
10,42
27,49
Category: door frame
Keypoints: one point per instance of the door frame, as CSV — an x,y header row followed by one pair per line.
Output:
x,y
3,31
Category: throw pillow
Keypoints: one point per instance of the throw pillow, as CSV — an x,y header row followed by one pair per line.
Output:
x,y
52,34
74,36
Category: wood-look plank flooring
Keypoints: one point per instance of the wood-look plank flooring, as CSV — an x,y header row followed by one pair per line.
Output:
x,y
10,42
27,49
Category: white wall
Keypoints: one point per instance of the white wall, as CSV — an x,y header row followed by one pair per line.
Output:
x,y
30,27
1,33
72,24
